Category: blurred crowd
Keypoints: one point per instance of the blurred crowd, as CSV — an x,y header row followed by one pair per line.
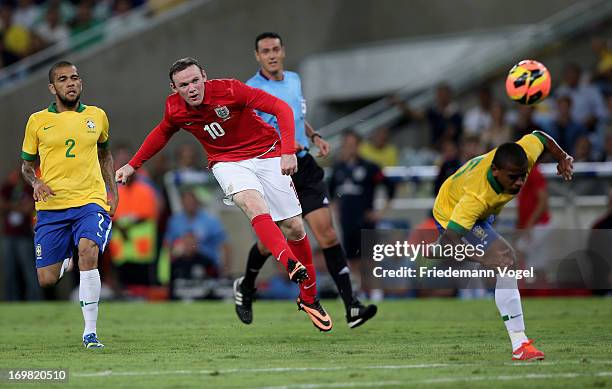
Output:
x,y
29,26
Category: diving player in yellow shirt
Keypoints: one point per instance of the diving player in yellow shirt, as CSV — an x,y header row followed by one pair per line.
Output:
x,y
76,170
466,207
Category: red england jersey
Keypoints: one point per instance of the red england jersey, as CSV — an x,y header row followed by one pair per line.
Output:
x,y
225,124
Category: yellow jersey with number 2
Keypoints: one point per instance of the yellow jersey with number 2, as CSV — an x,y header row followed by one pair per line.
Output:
x,y
67,144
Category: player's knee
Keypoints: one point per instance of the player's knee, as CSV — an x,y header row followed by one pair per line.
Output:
x,y
88,256
47,279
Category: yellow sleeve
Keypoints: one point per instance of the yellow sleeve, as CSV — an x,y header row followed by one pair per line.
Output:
x,y
466,213
29,150
533,144
104,134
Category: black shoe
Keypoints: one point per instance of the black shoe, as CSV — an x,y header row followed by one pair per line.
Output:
x,y
243,299
297,271
357,314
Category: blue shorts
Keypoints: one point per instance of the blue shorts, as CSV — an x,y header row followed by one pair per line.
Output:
x,y
57,233
482,233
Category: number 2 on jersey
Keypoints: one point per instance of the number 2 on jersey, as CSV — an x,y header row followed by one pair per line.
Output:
x,y
214,129
70,143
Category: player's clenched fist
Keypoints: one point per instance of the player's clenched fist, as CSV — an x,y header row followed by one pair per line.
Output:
x,y
288,164
565,168
124,173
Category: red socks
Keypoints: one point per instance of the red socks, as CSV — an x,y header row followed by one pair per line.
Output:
x,y
272,237
301,248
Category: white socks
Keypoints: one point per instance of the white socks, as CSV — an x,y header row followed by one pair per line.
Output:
x,y
89,295
508,301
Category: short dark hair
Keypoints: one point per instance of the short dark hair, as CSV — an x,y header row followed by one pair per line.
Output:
x,y
351,132
266,35
57,65
510,154
182,64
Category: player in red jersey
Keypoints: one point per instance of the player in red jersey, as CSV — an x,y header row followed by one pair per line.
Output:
x,y
249,160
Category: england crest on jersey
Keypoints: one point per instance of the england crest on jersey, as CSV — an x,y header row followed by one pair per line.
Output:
x,y
223,112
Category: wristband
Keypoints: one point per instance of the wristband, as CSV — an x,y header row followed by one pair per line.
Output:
x,y
312,137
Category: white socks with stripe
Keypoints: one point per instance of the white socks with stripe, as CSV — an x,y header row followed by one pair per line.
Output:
x,y
508,301
89,296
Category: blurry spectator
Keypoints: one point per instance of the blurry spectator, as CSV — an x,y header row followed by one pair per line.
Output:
x,y
52,30
583,151
6,57
450,162
499,131
471,147
525,122
606,155
444,117
122,17
84,20
603,73
188,174
478,119
588,105
563,127
190,271
352,187
17,39
17,210
206,228
133,244
379,150
26,13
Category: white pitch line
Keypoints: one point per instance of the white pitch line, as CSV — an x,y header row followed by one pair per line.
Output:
x,y
109,373
445,380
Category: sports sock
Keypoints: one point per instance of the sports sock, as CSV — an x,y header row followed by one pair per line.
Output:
x,y
255,262
301,248
272,237
89,295
508,301
339,271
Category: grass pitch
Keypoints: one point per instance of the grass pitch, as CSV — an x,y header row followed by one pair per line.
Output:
x,y
411,343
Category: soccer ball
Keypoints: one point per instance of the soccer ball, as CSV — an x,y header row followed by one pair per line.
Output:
x,y
528,82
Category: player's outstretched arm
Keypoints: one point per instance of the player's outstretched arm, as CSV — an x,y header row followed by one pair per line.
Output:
x,y
41,190
565,166
107,166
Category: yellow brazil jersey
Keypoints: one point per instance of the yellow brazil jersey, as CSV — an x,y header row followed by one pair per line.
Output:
x,y
473,194
67,143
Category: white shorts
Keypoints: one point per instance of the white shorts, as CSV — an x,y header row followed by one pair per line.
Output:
x,y
263,175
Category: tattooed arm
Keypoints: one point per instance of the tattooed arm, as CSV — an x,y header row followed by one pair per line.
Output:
x,y
41,190
108,170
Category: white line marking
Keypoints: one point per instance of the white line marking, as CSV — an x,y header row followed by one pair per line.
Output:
x,y
108,373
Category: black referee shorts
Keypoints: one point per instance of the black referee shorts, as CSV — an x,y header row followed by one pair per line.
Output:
x,y
309,184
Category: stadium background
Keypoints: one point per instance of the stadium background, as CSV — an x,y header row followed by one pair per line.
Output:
x,y
125,73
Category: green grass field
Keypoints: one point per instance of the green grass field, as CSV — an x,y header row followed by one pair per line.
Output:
x,y
411,343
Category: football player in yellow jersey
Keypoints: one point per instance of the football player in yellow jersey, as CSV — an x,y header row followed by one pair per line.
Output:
x,y
76,170
467,204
